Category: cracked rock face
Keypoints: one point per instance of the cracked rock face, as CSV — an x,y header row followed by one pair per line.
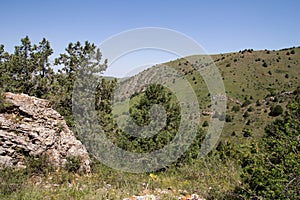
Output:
x,y
30,127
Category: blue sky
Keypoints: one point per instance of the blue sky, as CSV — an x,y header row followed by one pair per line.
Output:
x,y
219,26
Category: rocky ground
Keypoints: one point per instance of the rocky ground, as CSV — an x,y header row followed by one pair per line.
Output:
x,y
30,127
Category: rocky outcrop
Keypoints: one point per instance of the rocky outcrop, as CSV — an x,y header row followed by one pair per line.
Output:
x,y
30,127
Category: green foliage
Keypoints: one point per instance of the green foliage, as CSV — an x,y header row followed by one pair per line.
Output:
x,y
226,150
246,114
271,171
205,124
265,64
250,109
27,70
269,72
276,111
236,108
154,94
270,166
246,103
228,118
3,104
11,180
297,91
286,76
140,107
72,164
247,132
83,61
38,164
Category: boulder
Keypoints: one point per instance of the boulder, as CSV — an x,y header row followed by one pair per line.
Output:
x,y
30,127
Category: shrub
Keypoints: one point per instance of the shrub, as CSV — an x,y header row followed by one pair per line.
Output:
x,y
246,103
247,133
265,64
228,118
1,101
258,103
276,111
236,108
38,164
11,180
250,109
205,124
233,133
271,170
3,104
72,164
297,91
246,114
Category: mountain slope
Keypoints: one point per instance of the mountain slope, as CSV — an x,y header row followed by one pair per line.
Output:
x,y
259,79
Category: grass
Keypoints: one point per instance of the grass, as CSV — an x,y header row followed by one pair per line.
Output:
x,y
208,177
245,77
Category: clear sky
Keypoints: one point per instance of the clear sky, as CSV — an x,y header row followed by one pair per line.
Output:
x,y
219,26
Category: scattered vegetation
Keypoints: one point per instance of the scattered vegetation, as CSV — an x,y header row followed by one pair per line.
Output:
x,y
257,156
38,165
72,164
11,181
3,104
271,170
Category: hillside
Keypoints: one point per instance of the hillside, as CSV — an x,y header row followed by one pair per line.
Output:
x,y
256,157
255,76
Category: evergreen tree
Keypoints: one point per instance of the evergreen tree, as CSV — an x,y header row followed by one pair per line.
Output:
x,y
27,70
78,61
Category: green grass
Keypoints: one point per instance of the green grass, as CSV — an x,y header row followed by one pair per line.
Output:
x,y
208,177
245,77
